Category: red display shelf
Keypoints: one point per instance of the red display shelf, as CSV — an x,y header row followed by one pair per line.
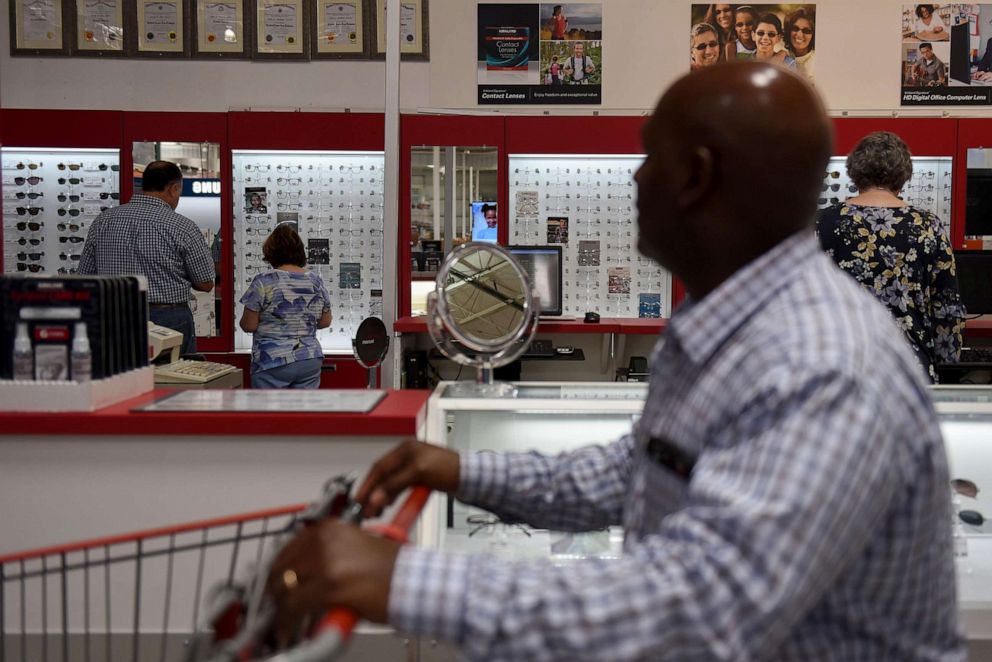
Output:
x,y
642,327
399,413
606,325
979,328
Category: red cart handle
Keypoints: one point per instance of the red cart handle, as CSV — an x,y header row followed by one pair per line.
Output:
x,y
344,620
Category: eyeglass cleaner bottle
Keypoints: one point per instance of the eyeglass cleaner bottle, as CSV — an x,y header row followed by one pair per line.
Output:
x,y
23,357
81,358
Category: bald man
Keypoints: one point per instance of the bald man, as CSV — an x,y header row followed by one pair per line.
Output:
x,y
784,495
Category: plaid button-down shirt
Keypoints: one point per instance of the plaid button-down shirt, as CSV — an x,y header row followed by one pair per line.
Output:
x,y
815,524
145,236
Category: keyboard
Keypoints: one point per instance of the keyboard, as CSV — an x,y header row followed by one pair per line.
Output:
x,y
540,349
976,355
185,371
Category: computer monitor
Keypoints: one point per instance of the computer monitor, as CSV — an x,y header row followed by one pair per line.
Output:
x,y
543,267
975,280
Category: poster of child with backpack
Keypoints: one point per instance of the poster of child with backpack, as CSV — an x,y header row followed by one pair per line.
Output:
x,y
540,53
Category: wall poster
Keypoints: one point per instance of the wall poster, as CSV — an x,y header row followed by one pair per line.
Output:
x,y
946,60
540,54
781,33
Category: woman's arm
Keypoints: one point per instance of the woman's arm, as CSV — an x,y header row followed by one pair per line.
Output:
x,y
249,321
325,319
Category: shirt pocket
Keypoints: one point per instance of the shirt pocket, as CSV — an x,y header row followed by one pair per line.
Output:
x,y
660,483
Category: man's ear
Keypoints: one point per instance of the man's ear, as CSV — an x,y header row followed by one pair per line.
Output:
x,y
700,177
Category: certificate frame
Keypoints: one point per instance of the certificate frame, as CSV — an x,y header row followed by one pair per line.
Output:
x,y
262,49
84,43
321,49
200,39
56,43
143,47
419,48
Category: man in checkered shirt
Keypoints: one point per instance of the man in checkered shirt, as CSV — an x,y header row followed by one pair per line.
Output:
x,y
785,494
147,236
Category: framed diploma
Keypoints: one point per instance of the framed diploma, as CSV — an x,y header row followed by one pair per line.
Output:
x,y
219,29
413,29
99,26
162,28
37,28
281,30
340,30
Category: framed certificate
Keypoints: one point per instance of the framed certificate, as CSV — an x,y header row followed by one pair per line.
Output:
x,y
414,42
37,28
220,29
341,29
98,27
162,28
281,30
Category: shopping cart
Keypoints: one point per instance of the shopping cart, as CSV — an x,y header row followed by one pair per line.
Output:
x,y
189,593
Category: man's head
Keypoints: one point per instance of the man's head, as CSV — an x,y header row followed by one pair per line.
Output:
x,y
489,213
735,161
926,51
704,45
163,180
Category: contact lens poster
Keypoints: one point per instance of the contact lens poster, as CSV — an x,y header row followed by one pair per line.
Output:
x,y
784,34
540,54
946,60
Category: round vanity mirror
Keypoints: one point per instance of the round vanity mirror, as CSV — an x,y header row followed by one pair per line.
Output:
x,y
370,344
482,313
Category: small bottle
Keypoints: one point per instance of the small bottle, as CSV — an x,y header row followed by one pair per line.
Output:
x,y
23,356
81,359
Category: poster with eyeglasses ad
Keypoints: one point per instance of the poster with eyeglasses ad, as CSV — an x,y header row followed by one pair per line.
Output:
x,y
540,54
781,33
946,56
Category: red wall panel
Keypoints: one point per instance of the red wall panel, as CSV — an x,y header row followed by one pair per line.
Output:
x,y
575,135
317,131
62,128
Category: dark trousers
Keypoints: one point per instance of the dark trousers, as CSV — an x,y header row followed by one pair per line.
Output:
x,y
178,319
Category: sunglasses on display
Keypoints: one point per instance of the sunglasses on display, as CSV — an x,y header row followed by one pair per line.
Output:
x,y
68,198
33,268
33,180
114,196
70,227
29,166
33,241
31,256
33,211
71,180
104,166
71,239
71,212
70,166
30,195
70,256
29,225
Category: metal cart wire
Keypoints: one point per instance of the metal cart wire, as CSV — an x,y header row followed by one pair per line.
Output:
x,y
183,593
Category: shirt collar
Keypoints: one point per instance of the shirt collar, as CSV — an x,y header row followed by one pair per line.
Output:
x,y
700,327
142,199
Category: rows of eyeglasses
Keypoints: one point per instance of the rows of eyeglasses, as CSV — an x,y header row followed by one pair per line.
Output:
x,y
586,205
335,202
49,200
929,187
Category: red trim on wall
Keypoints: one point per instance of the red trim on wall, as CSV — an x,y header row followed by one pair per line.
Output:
x,y
575,135
924,136
308,131
62,128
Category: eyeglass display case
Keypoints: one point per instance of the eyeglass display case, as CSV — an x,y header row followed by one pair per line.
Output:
x,y
555,417
50,197
585,204
334,200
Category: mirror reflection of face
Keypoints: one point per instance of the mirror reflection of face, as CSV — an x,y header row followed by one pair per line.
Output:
x,y
802,35
724,16
705,49
766,36
745,26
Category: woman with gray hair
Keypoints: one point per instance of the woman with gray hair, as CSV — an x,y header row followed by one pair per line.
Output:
x,y
898,252
704,46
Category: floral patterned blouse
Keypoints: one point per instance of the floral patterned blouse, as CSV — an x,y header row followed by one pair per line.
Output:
x,y
902,256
